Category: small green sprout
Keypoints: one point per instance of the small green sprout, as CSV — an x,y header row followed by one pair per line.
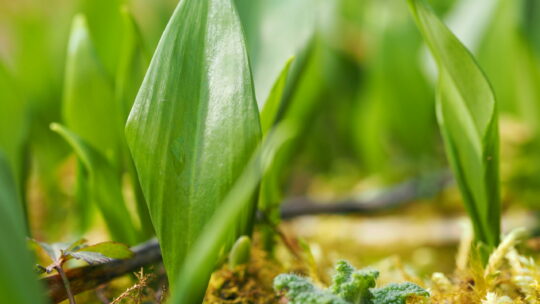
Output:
x,y
350,286
240,253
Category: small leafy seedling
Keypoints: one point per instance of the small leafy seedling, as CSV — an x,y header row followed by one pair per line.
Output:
x,y
98,253
350,286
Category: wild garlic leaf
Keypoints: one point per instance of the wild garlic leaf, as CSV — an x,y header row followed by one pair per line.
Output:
x,y
89,107
467,115
18,283
222,229
397,293
194,124
105,188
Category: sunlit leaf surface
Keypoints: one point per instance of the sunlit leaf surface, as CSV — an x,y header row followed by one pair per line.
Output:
x,y
194,123
467,115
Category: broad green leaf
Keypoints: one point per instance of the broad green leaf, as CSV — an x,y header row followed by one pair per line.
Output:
x,y
104,187
89,107
111,250
270,111
467,115
18,283
194,124
222,228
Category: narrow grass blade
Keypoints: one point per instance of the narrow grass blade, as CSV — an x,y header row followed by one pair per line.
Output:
x,y
467,115
220,231
194,124
104,187
299,101
271,107
18,283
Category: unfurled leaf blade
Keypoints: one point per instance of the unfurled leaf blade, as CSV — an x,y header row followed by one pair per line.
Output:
x,y
105,189
467,115
89,107
194,124
18,283
220,231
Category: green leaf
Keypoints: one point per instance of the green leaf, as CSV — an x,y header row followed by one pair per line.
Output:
x,y
54,251
131,69
353,285
350,286
132,65
299,100
397,293
270,111
102,252
112,250
105,189
18,283
467,115
89,107
222,229
105,24
194,124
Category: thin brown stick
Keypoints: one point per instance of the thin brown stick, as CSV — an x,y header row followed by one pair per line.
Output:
x,y
383,200
65,281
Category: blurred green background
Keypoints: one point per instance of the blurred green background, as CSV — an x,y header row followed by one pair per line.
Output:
x,y
368,121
